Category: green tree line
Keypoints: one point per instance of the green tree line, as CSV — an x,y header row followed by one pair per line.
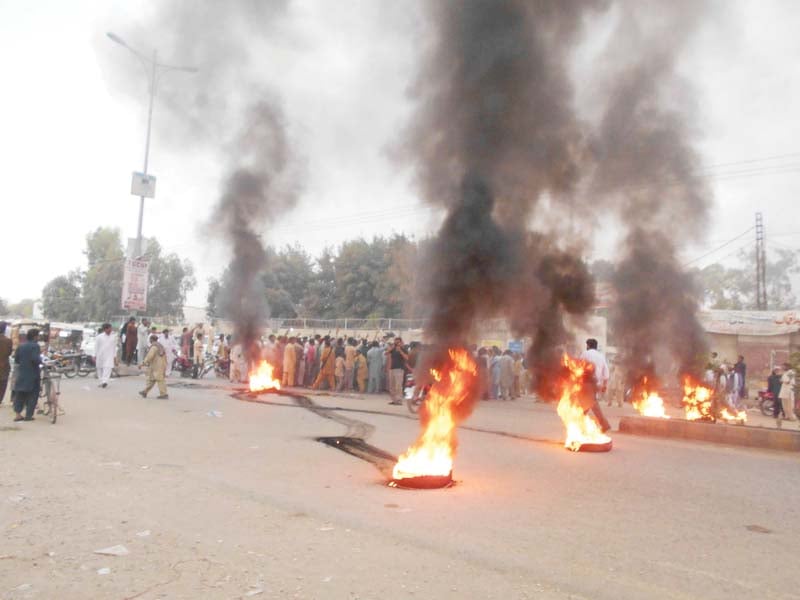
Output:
x,y
361,278
733,287
94,294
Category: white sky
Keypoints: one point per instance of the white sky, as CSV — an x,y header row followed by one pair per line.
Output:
x,y
70,139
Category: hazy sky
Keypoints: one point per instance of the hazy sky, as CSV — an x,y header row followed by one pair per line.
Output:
x,y
72,134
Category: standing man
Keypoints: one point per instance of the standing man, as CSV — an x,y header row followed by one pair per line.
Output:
x,y
169,348
300,362
131,339
142,336
156,363
375,366
105,347
186,342
506,375
327,371
597,383
350,352
5,360
787,392
26,386
311,359
199,357
361,370
397,370
774,385
289,363
741,368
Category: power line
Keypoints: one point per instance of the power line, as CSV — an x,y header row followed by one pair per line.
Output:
x,y
720,247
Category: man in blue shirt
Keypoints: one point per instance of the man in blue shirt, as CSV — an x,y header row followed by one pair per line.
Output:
x,y
26,387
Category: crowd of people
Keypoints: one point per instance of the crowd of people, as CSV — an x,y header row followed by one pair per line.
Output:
x,y
346,364
372,366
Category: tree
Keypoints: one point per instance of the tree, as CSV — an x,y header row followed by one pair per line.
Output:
x,y
102,283
169,277
212,299
287,280
362,286
23,308
61,298
4,307
320,300
398,287
734,288
169,280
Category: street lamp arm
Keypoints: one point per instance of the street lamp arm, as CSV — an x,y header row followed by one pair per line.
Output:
x,y
146,62
177,68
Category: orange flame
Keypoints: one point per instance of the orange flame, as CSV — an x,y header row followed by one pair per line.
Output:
x,y
581,427
696,400
433,452
739,416
650,404
261,378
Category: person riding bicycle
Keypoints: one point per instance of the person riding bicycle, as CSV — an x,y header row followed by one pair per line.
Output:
x,y
156,363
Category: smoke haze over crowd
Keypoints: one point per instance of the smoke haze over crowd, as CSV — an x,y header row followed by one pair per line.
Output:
x,y
497,132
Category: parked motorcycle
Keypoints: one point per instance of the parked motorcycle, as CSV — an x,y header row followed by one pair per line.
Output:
x,y
414,398
766,403
183,365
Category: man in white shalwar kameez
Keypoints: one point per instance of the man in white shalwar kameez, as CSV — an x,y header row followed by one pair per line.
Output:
x,y
143,340
105,352
165,339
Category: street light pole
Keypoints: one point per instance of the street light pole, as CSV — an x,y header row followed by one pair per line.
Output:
x,y
147,149
152,67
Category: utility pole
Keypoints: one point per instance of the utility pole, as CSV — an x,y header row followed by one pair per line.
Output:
x,y
153,70
761,265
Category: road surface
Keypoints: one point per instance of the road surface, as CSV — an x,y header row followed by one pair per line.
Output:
x,y
215,497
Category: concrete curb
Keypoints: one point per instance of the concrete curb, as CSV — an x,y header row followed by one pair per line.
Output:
x,y
717,433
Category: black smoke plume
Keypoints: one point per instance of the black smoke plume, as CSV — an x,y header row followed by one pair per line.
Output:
x,y
227,107
495,130
647,170
498,141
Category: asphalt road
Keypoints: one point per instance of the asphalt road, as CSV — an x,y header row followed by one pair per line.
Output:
x,y
214,497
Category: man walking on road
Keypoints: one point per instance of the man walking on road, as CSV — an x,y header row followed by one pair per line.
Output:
x,y
26,386
5,360
105,350
156,363
598,383
397,370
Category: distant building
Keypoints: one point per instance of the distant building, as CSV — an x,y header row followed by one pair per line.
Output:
x,y
764,338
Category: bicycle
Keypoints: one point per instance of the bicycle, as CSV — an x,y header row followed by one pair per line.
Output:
x,y
50,390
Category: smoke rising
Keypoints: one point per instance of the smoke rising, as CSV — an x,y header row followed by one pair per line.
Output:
x,y
646,169
497,132
228,107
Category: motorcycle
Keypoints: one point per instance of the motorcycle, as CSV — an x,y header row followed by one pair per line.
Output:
x,y
766,403
414,398
183,365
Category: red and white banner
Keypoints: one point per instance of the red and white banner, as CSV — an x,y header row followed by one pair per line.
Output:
x,y
134,285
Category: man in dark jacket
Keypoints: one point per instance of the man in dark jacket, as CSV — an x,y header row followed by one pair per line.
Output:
x,y
774,387
5,360
26,387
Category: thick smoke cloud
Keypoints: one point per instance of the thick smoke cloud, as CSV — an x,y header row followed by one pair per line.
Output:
x,y
228,107
497,140
647,170
495,131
